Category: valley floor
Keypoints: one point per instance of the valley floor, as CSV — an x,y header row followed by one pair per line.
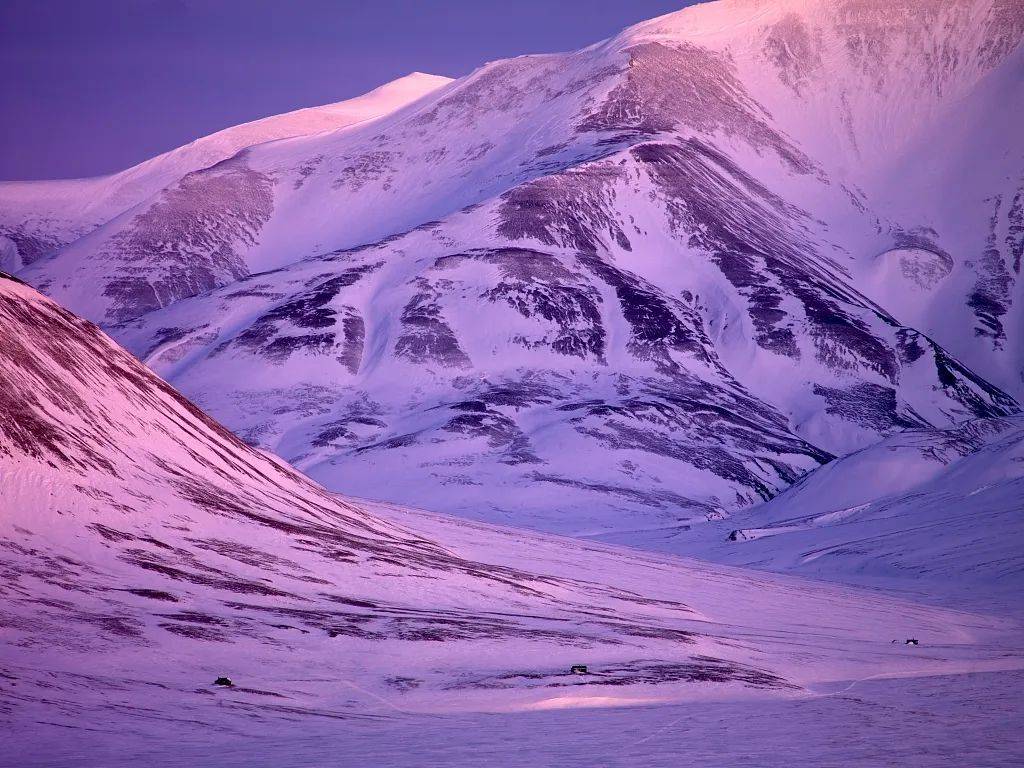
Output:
x,y
968,720
860,699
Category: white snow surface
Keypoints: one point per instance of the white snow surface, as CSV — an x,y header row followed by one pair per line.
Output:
x,y
899,721
739,287
934,513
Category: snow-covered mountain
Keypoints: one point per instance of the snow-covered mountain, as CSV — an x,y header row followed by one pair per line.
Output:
x,y
651,281
146,551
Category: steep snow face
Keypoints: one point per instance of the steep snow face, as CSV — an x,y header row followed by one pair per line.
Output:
x,y
38,218
145,552
872,76
656,279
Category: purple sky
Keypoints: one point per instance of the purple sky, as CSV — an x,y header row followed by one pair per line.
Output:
x,y
94,86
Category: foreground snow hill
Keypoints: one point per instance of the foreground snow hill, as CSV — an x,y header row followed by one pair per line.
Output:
x,y
661,277
145,552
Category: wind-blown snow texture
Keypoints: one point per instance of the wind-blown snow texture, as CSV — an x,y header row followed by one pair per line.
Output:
x,y
657,279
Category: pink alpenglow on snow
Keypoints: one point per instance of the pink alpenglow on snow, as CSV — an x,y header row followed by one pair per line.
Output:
x,y
652,403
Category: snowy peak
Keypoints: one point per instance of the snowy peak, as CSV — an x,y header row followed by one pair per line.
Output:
x,y
837,75
222,145
36,218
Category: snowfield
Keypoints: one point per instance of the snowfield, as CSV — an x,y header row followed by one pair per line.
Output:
x,y
936,513
693,356
919,722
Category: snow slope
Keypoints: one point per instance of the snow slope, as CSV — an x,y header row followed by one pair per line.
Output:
x,y
655,279
943,506
937,513
145,551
